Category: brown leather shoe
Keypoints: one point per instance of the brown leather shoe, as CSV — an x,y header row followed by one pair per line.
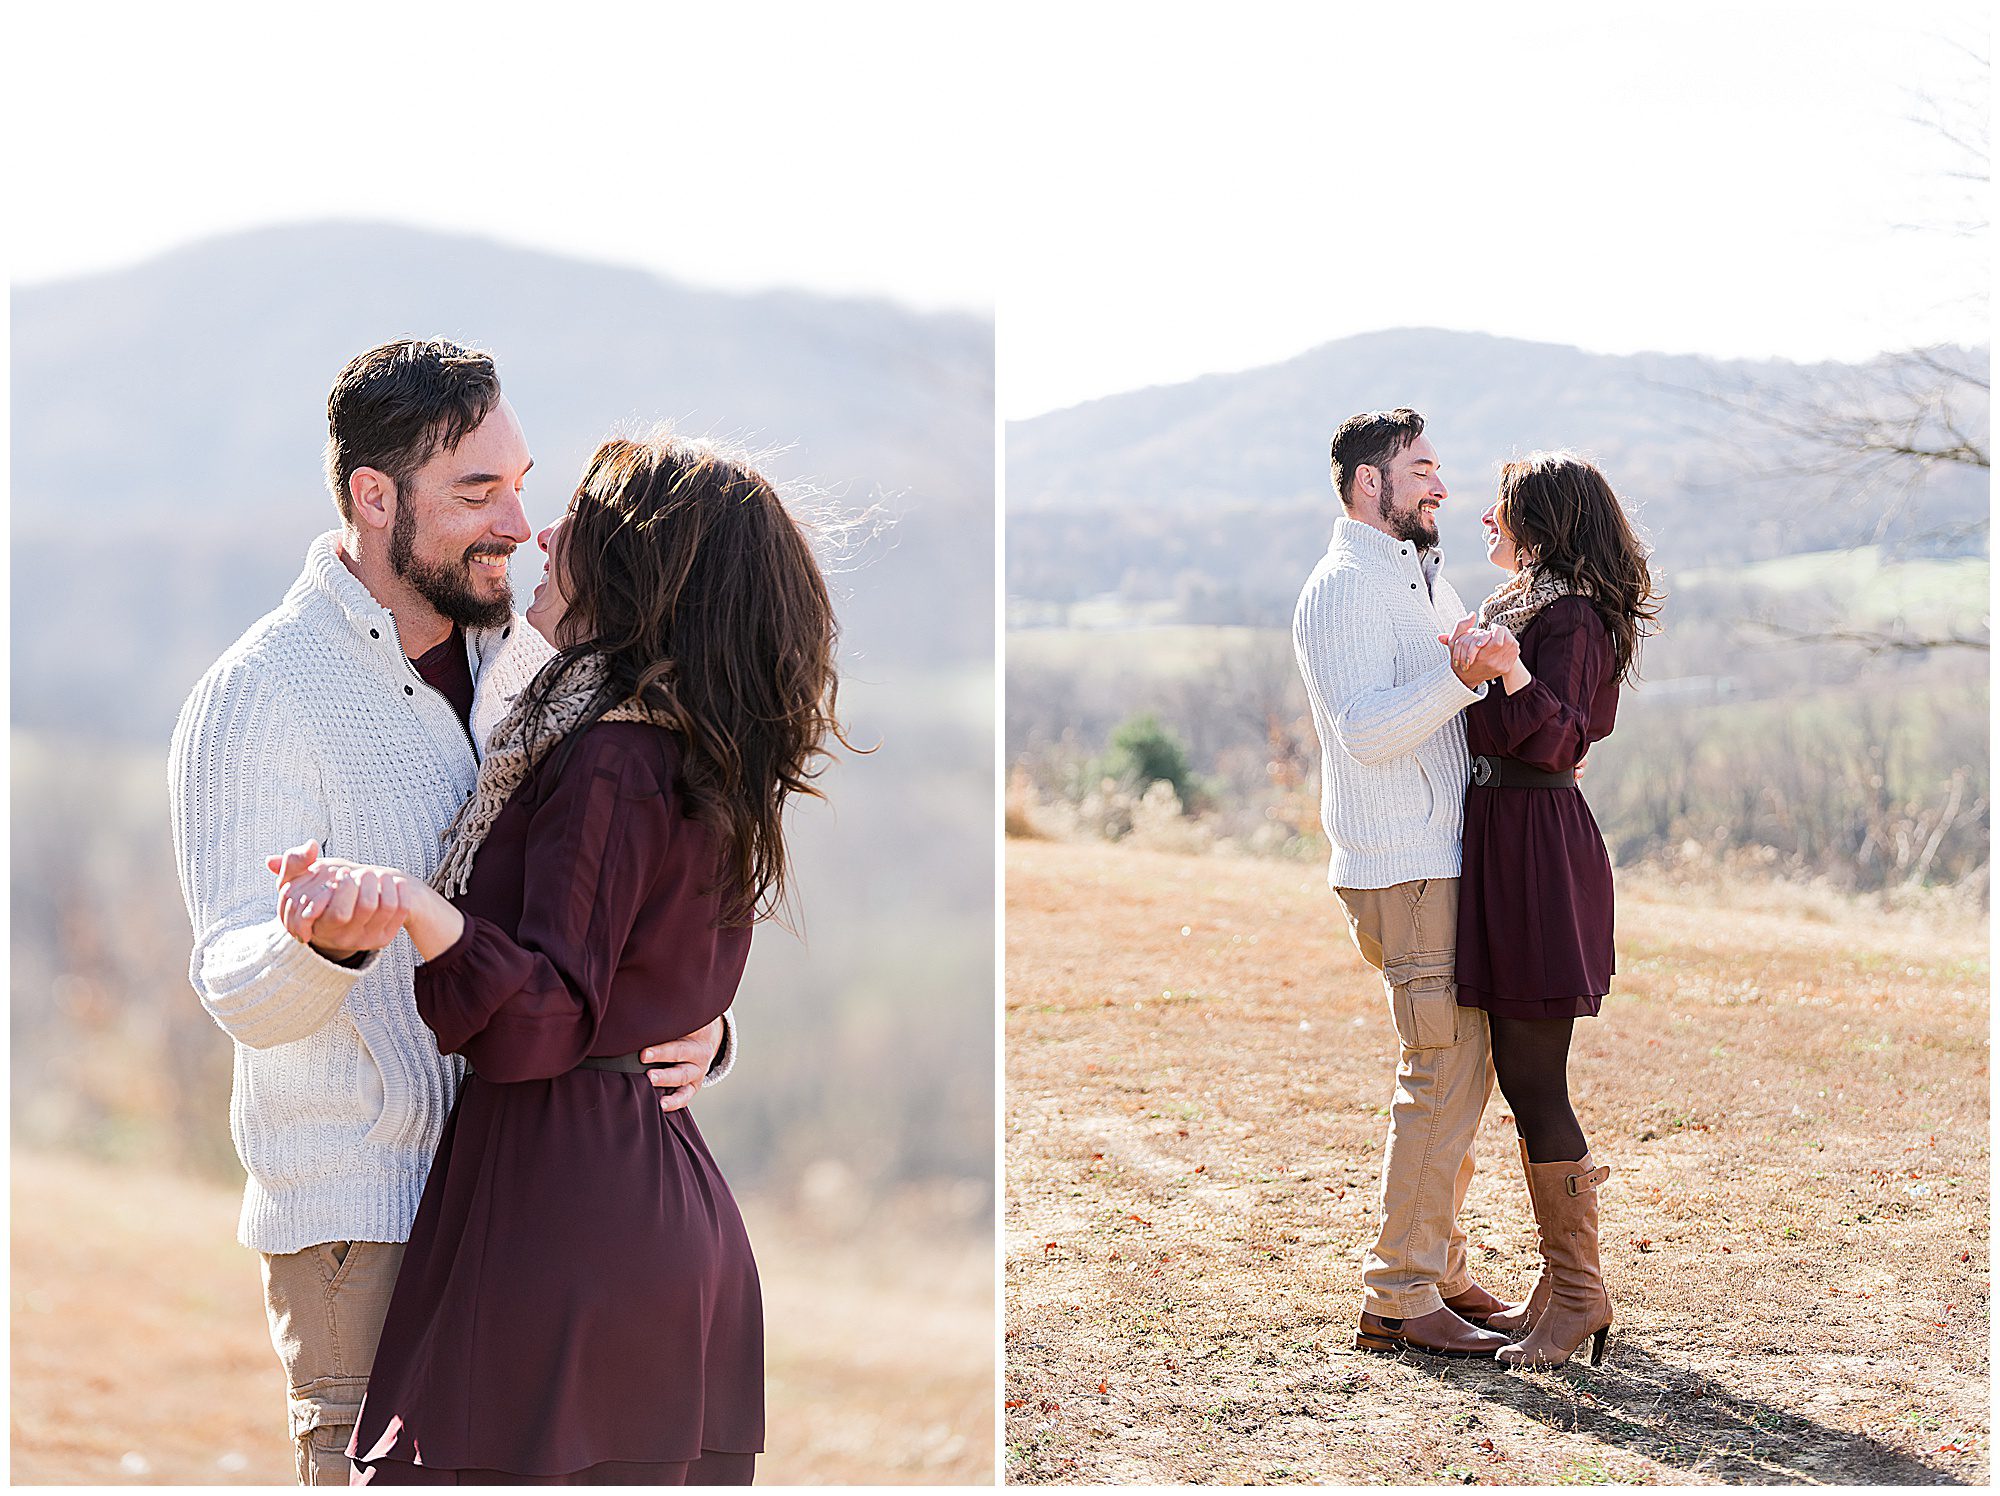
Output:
x,y
1439,1333
1475,1306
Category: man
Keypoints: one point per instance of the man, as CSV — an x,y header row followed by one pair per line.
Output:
x,y
349,719
1386,702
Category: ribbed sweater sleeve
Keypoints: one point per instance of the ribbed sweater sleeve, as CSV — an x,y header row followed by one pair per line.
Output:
x,y
1348,651
243,784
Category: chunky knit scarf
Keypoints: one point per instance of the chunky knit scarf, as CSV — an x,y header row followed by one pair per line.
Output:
x,y
1516,601
517,745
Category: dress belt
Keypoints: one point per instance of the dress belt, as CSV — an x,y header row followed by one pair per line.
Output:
x,y
1511,774
629,1063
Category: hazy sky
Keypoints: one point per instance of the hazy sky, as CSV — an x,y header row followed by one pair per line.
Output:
x,y
1722,179
1143,193
726,145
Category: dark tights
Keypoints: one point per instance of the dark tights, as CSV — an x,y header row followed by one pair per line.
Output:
x,y
1531,1062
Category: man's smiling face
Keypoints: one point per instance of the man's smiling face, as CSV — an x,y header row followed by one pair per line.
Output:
x,y
1411,493
458,520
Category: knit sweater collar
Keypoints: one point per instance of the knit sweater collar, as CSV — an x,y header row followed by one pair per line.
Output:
x,y
1373,547
328,575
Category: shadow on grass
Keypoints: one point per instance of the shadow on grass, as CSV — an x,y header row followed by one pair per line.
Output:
x,y
1687,1421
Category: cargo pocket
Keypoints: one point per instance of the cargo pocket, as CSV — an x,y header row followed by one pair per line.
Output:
x,y
1423,1001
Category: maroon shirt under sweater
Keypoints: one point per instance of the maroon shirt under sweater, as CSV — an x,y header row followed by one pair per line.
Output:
x,y
448,672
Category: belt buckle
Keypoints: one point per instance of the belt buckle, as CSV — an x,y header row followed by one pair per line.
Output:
x,y
1482,770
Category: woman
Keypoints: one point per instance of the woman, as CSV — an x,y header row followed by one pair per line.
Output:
x,y
578,1303
1535,906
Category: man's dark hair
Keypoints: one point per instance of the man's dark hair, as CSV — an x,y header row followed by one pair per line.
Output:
x,y
395,407
1370,440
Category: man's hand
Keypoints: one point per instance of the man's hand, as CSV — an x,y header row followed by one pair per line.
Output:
x,y
682,1065
338,908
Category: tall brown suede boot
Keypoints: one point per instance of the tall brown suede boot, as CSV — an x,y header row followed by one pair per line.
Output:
x,y
1521,1318
1577,1308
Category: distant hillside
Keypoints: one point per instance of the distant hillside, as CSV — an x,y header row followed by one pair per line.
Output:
x,y
168,421
1216,493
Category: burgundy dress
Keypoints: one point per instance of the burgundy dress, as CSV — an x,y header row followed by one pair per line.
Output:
x,y
1534,905
578,1302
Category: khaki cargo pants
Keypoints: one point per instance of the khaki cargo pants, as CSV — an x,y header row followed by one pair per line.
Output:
x,y
1408,932
326,1306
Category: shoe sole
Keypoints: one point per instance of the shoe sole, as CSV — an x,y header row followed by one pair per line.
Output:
x,y
1383,1347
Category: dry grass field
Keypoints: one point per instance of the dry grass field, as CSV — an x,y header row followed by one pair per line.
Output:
x,y
140,1354
1792,1093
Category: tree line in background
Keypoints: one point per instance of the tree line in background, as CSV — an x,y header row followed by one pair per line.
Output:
x,y
1813,760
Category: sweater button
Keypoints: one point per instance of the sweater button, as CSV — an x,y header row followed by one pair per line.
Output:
x,y
409,690
374,633
1413,586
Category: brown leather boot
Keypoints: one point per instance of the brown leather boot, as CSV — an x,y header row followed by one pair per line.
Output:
x,y
1521,1318
1578,1308
1439,1333
1476,1306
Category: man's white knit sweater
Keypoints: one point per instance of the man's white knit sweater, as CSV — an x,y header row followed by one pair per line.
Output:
x,y
1387,707
315,724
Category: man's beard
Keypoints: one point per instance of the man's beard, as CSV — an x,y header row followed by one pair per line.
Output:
x,y
1410,525
446,588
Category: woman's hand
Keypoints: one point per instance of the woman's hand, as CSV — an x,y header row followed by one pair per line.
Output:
x,y
1468,621
339,908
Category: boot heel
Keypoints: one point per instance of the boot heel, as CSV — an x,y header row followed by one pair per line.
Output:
x,y
1363,1341
1597,1345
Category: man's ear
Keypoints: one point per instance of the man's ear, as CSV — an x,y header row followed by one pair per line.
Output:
x,y
373,493
1368,480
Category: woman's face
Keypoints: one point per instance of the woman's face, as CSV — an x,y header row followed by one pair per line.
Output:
x,y
551,601
1501,549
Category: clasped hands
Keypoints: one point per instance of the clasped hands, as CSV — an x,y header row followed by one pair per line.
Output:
x,y
339,908
1481,654
342,908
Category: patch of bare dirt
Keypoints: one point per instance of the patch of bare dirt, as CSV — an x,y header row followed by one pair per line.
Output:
x,y
1199,1067
140,1354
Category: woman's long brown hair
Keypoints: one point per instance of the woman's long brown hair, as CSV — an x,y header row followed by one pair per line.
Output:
x,y
684,569
1560,510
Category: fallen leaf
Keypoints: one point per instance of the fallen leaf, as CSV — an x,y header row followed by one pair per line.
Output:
x,y
1103,1388
1016,1402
